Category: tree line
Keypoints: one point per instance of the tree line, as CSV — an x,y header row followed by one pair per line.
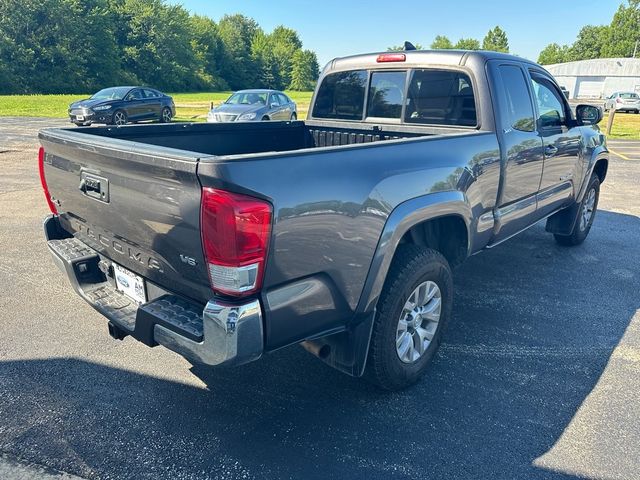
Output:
x,y
621,38
495,40
71,46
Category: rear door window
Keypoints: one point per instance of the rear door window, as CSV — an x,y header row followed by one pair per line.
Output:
x,y
386,94
517,110
341,96
441,97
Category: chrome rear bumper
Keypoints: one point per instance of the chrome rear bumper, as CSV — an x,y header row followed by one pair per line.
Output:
x,y
220,333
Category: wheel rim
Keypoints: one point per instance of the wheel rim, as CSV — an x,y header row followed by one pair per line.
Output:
x,y
166,115
120,118
587,209
418,322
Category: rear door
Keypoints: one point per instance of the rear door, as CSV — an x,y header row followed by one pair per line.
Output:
x,y
153,103
561,139
521,149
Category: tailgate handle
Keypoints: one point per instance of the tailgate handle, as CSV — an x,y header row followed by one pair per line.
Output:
x,y
94,186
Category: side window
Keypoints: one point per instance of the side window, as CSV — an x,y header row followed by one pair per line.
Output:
x,y
341,96
551,112
135,95
386,94
441,97
150,94
517,109
283,99
273,98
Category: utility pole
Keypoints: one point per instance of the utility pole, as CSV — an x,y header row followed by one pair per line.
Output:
x,y
635,49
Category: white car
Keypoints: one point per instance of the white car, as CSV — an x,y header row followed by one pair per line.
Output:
x,y
623,101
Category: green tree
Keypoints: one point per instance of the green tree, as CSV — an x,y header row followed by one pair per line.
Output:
x,y
441,43
208,50
496,40
468,44
553,53
284,44
237,33
305,70
624,32
589,44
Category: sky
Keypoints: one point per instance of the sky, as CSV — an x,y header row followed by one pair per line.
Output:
x,y
335,28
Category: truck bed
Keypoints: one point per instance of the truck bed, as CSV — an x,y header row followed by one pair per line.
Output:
x,y
246,138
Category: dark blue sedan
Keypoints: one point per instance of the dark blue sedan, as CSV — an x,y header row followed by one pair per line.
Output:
x,y
120,105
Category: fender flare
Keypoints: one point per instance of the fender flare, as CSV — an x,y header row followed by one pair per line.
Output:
x,y
349,349
400,221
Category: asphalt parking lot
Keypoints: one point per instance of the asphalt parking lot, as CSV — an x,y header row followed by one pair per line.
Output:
x,y
538,375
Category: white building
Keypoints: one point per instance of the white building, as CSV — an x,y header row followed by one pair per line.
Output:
x,y
598,78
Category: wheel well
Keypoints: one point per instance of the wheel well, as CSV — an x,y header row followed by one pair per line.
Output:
x,y
448,235
600,169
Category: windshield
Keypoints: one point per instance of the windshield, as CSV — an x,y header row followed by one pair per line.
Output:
x,y
628,95
115,93
247,98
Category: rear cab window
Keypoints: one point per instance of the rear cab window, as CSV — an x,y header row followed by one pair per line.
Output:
x,y
437,97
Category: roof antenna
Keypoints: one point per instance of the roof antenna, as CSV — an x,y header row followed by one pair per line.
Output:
x,y
409,46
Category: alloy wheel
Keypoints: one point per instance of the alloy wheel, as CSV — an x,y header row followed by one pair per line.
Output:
x,y
587,209
418,322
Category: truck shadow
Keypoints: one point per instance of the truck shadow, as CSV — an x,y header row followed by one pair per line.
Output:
x,y
526,346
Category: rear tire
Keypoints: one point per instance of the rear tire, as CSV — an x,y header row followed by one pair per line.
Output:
x,y
413,310
586,215
265,118
165,115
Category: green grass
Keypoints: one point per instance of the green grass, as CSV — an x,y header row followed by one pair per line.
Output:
x,y
189,106
625,126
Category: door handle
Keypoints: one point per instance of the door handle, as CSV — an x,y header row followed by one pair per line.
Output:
x,y
550,150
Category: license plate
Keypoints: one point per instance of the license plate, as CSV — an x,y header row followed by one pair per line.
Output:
x,y
130,284
79,117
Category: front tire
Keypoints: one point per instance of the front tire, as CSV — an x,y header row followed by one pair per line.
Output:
x,y
586,214
119,118
414,307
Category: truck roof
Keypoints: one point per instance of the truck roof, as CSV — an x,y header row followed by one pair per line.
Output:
x,y
420,57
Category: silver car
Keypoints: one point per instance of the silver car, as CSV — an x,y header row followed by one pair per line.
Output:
x,y
254,106
623,101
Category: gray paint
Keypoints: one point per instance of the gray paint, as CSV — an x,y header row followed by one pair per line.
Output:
x,y
339,210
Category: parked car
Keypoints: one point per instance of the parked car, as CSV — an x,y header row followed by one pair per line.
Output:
x,y
254,106
623,102
223,242
121,105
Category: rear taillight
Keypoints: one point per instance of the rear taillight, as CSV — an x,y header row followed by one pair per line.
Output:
x,y
391,57
43,181
235,236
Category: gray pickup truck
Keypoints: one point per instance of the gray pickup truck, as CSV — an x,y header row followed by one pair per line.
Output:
x,y
222,242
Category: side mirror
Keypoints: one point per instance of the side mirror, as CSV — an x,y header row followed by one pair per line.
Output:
x,y
275,105
588,114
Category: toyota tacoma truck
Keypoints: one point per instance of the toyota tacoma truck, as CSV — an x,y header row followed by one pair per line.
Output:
x,y
223,242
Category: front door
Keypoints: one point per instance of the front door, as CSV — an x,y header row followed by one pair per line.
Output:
x,y
561,138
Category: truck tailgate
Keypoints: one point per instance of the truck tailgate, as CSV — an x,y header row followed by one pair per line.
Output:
x,y
136,204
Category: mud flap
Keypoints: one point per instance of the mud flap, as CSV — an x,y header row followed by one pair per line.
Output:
x,y
562,222
345,351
